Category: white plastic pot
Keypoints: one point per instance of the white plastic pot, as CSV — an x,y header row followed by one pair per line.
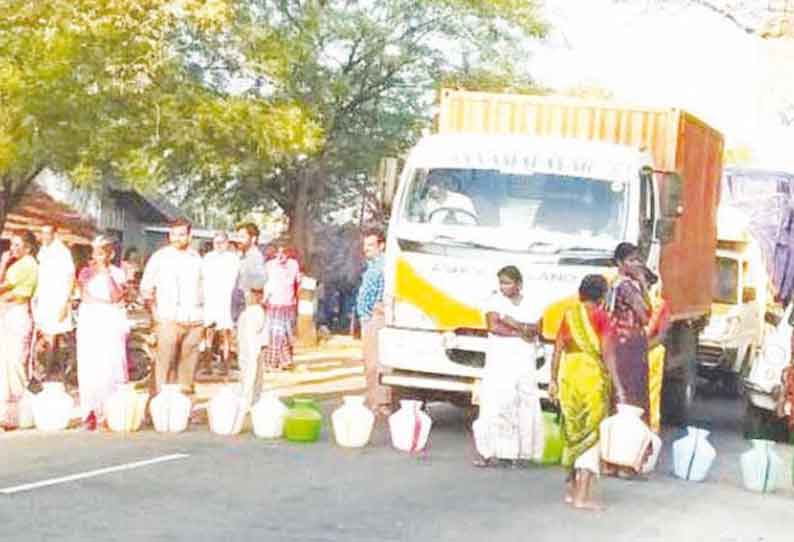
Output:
x,y
762,468
125,409
52,407
352,422
170,410
226,412
693,455
410,427
625,438
267,416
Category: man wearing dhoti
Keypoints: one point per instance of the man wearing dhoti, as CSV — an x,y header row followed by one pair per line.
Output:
x,y
220,268
52,301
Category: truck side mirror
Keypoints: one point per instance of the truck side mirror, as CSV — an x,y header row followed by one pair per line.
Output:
x,y
388,174
671,196
665,230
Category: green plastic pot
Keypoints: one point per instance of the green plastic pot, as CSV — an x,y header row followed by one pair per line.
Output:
x,y
552,448
303,421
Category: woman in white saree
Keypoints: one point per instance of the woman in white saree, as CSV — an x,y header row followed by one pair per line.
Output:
x,y
510,425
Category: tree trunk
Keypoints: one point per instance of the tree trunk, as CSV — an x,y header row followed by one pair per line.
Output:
x,y
300,220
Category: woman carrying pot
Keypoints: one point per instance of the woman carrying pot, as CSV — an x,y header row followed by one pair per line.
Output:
x,y
581,383
630,314
18,278
509,426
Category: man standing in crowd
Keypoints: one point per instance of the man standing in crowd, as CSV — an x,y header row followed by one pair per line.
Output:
x,y
369,309
172,289
52,302
281,299
252,266
220,268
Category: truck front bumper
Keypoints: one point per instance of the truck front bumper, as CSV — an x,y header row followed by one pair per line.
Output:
x,y
760,396
451,362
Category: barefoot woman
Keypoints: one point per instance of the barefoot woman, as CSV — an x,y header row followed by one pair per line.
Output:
x,y
581,382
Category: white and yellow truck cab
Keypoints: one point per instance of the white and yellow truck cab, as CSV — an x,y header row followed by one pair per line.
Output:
x,y
550,186
741,292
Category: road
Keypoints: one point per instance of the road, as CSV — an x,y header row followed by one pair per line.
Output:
x,y
242,488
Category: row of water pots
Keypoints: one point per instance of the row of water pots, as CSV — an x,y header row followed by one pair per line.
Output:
x,y
51,409
625,440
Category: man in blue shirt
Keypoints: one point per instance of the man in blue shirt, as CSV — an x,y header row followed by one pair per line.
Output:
x,y
369,308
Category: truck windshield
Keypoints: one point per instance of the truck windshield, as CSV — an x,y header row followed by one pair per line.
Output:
x,y
725,287
543,202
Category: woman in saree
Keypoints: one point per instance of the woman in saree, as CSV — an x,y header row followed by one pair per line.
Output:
x,y
18,277
102,328
509,426
581,384
630,313
656,330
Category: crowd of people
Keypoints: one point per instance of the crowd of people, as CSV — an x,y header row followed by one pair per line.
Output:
x,y
608,348
235,291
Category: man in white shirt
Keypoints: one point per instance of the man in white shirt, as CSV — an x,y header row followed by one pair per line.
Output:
x,y
446,206
219,273
172,290
52,300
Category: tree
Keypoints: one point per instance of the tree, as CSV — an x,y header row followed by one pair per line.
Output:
x,y
102,90
366,72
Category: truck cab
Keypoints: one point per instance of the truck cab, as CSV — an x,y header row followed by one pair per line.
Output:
x,y
735,330
469,204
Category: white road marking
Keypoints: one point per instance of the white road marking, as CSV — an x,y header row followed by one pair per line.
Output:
x,y
90,474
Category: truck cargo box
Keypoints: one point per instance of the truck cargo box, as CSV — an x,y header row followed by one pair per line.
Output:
x,y
678,141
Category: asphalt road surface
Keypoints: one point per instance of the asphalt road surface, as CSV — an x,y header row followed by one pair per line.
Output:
x,y
241,488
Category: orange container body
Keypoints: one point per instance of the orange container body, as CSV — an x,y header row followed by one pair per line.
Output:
x,y
678,142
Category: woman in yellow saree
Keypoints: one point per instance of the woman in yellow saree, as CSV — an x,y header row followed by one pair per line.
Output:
x,y
581,383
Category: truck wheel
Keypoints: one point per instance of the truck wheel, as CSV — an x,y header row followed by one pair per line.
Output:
x,y
678,395
678,390
754,422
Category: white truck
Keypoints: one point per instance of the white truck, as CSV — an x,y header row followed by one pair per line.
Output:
x,y
552,186
740,292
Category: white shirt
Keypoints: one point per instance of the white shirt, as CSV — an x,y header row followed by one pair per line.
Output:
x,y
173,279
452,200
220,271
281,281
55,282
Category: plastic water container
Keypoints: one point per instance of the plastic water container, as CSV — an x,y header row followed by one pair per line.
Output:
x,y
303,421
170,410
125,409
762,468
52,407
653,457
693,455
267,416
226,412
25,419
409,427
352,422
553,444
625,438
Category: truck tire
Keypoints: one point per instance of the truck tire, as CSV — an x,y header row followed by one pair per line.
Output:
x,y
754,423
678,390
